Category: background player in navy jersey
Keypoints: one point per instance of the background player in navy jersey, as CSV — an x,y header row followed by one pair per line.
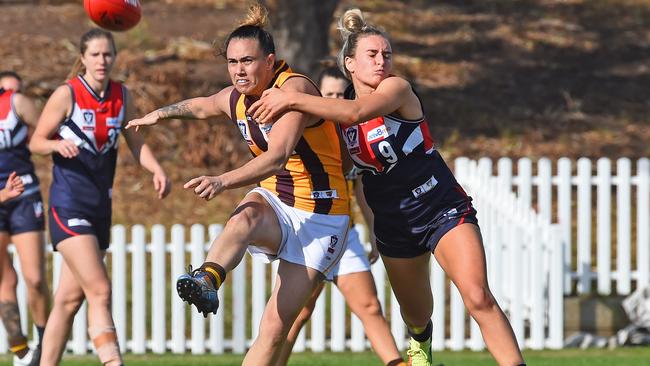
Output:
x,y
79,127
352,274
21,220
419,207
298,214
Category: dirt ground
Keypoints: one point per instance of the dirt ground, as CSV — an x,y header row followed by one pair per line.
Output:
x,y
498,78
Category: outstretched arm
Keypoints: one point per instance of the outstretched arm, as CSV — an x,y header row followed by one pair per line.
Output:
x,y
284,136
195,108
391,95
143,154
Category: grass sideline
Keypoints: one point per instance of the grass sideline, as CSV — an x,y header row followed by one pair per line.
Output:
x,y
593,357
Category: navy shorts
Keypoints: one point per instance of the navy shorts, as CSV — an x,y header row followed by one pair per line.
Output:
x,y
22,215
66,223
429,235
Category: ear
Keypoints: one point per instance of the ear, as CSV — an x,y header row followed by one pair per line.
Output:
x,y
270,61
349,64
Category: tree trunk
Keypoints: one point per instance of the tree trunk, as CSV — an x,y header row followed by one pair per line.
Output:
x,y
301,31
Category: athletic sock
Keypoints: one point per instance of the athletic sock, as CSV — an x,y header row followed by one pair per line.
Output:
x,y
105,342
215,273
11,319
422,335
41,332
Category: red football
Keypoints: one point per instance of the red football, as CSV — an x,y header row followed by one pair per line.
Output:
x,y
115,15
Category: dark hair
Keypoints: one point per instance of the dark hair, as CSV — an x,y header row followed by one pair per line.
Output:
x,y
94,33
331,71
10,74
252,27
353,27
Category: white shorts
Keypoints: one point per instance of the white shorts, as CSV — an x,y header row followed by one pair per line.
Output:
x,y
354,258
313,240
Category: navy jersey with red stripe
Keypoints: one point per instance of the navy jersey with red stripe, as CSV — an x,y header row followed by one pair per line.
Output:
x,y
406,181
84,183
14,154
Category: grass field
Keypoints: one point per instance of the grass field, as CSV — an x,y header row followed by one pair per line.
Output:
x,y
592,357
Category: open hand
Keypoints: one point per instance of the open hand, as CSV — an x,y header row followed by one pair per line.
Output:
x,y
148,120
13,188
273,102
206,187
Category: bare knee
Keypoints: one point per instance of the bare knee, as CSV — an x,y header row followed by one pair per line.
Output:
x,y
274,331
36,282
478,298
68,303
367,307
247,215
99,293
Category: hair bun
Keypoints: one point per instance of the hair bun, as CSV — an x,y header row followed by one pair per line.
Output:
x,y
257,16
351,22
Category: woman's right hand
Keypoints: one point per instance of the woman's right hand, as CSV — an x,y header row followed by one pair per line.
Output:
x,y
150,119
66,148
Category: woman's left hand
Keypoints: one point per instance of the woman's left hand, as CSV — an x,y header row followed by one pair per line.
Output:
x,y
206,187
273,102
161,184
373,255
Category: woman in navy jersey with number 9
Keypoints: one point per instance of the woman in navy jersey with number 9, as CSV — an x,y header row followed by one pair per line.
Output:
x,y
418,206
80,126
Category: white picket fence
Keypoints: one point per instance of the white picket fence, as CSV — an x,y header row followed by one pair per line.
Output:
x,y
569,197
530,267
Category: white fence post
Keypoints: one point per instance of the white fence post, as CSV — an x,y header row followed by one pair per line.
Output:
x,y
138,290
118,265
216,342
584,226
239,307
564,215
604,226
197,244
643,221
623,227
337,336
178,307
158,290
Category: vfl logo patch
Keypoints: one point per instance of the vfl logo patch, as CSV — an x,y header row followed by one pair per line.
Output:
x,y
333,241
352,140
377,133
324,194
89,117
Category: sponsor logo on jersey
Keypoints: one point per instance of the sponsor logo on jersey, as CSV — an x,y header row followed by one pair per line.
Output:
x,y
334,239
79,222
424,188
243,128
112,122
324,194
377,133
27,179
38,209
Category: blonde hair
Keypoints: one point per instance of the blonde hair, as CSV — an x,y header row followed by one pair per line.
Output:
x,y
353,27
257,16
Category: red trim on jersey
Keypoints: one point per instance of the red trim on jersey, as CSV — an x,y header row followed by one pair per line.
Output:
x,y
428,140
5,103
63,227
